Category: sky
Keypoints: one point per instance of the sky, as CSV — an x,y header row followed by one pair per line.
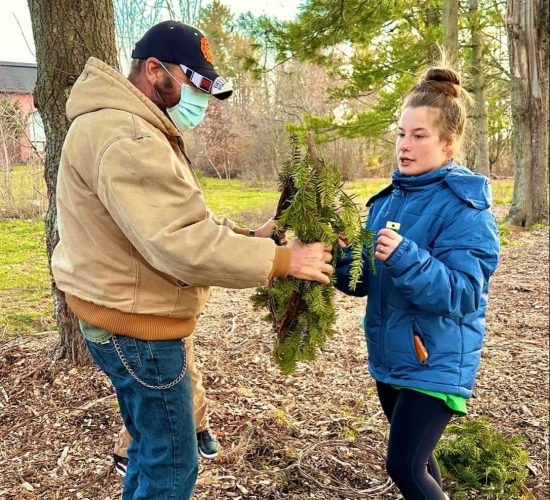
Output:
x,y
16,42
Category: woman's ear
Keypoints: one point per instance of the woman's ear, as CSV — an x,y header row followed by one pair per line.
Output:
x,y
448,148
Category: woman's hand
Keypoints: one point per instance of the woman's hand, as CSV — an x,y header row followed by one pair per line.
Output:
x,y
388,241
342,242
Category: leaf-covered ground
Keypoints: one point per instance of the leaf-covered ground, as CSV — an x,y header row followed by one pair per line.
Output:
x,y
318,434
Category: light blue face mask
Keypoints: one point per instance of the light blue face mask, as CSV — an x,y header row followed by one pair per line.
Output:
x,y
190,109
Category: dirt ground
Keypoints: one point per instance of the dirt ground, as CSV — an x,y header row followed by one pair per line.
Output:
x,y
318,434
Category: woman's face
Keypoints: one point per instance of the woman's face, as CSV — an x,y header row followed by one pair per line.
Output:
x,y
419,148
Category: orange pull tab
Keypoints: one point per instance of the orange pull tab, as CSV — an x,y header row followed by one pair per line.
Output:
x,y
420,350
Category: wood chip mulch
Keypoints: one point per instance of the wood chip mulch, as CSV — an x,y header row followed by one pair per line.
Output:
x,y
318,434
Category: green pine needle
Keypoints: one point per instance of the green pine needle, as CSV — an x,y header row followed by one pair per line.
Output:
x,y
477,456
302,312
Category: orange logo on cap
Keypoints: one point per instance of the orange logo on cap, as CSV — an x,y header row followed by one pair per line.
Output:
x,y
205,48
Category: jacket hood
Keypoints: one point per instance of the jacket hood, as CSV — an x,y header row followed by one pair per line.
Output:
x,y
102,87
474,189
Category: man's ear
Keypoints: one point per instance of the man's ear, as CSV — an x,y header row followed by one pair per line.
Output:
x,y
153,69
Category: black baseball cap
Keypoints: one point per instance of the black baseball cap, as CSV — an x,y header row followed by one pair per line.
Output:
x,y
177,43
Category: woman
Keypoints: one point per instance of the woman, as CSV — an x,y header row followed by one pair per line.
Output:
x,y
437,245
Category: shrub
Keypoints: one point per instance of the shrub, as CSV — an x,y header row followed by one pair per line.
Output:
x,y
477,456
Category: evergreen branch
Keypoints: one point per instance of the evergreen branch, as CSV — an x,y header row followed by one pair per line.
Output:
x,y
314,207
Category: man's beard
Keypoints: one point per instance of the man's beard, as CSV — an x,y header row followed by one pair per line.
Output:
x,y
161,92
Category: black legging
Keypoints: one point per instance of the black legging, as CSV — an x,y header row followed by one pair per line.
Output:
x,y
417,422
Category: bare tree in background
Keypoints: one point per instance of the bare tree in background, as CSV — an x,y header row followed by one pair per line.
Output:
x,y
10,134
481,161
528,43
188,11
218,132
66,33
133,19
450,30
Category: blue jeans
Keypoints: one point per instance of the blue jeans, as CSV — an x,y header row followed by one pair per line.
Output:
x,y
162,459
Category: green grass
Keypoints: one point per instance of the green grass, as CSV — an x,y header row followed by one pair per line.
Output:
x,y
27,192
502,191
226,199
506,235
234,198
365,188
239,200
25,302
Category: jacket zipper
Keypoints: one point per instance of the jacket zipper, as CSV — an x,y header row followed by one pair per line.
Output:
x,y
191,167
383,307
419,345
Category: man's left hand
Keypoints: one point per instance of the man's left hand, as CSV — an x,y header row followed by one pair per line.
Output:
x,y
267,230
388,241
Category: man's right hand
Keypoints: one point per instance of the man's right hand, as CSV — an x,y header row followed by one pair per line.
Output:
x,y
310,262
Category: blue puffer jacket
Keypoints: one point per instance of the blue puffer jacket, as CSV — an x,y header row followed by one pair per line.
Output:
x,y
434,284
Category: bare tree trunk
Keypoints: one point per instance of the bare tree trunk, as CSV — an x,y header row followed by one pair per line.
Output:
x,y
66,33
190,11
528,43
481,134
433,17
133,19
214,167
450,30
6,188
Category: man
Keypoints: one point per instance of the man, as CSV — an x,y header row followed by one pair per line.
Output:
x,y
207,444
138,247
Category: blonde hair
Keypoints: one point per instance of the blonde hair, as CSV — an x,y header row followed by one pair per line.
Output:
x,y
441,88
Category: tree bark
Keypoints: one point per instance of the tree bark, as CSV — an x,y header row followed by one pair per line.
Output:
x,y
528,44
450,30
481,161
66,33
433,17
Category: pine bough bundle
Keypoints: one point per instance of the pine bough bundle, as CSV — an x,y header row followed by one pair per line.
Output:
x,y
313,207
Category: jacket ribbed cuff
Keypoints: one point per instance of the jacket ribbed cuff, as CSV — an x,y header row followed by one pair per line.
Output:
x,y
394,257
281,263
139,326
241,230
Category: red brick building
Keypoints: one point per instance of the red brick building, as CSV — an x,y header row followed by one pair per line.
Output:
x,y
17,82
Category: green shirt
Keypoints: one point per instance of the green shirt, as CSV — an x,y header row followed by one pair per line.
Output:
x,y
454,402
94,334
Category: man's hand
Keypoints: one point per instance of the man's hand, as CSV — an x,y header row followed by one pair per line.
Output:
x,y
267,230
310,262
388,241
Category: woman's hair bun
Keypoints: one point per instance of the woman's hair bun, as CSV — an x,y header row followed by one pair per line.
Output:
x,y
440,80
442,75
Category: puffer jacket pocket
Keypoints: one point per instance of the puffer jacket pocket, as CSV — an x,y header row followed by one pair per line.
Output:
x,y
439,334
419,345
